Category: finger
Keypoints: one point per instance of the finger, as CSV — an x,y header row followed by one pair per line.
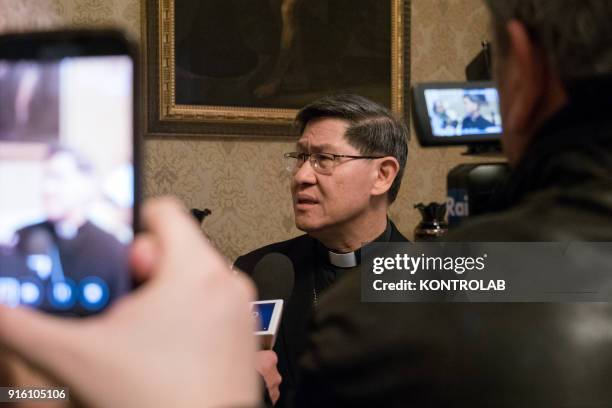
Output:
x,y
47,342
179,238
274,396
144,255
268,357
167,219
246,286
265,364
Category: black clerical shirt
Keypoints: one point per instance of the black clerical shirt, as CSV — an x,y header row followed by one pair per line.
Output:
x,y
314,274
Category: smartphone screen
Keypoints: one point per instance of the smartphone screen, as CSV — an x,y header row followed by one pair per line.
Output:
x,y
67,180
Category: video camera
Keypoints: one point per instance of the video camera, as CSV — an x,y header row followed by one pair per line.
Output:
x,y
464,114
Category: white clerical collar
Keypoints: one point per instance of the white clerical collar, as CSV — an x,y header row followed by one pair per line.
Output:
x,y
347,260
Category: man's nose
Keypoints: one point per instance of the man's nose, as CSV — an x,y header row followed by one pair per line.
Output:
x,y
305,174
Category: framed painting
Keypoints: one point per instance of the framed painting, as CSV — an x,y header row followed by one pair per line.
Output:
x,y
234,68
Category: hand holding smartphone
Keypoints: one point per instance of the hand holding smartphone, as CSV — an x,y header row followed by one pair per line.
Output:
x,y
68,185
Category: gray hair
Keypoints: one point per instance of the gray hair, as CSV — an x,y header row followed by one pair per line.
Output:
x,y
576,35
373,130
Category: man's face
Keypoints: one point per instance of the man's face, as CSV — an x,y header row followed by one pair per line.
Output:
x,y
471,108
64,187
322,202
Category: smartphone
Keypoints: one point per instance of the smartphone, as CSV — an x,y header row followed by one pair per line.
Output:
x,y
68,169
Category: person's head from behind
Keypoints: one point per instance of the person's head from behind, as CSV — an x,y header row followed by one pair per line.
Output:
x,y
331,192
67,186
542,46
472,104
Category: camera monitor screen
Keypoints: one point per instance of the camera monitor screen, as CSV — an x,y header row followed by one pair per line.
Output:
x,y
66,181
457,113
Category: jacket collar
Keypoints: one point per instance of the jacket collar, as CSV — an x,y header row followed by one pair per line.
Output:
x,y
582,128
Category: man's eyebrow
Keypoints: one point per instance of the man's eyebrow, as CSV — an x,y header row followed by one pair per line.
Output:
x,y
301,146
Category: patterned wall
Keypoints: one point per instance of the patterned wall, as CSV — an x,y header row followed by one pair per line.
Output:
x,y
241,180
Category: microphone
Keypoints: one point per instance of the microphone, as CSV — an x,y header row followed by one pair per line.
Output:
x,y
274,277
42,255
38,241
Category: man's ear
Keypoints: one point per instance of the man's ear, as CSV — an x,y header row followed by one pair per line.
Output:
x,y
387,170
525,79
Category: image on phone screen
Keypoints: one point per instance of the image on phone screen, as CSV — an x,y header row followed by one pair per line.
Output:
x,y
66,182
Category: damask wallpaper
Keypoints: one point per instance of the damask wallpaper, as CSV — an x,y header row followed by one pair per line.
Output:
x,y
242,181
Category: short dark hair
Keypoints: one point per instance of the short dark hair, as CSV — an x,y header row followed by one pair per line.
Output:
x,y
373,129
479,100
574,34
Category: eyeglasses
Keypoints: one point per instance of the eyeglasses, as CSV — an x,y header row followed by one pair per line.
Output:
x,y
322,163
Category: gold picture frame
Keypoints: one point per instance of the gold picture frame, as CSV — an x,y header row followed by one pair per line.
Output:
x,y
164,117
